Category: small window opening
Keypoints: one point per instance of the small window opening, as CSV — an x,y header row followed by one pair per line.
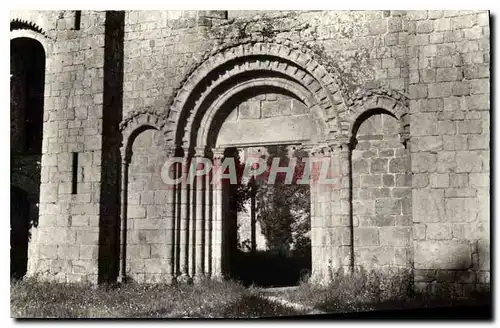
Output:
x,y
75,174
78,17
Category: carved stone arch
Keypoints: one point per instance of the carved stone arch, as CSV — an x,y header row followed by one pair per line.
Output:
x,y
370,101
228,64
45,20
20,28
137,122
207,126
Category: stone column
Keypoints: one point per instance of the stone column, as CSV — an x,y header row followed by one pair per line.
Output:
x,y
218,155
184,220
208,222
171,219
346,212
197,227
122,277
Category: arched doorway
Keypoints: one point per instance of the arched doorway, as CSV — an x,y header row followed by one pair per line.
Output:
x,y
266,237
27,69
254,95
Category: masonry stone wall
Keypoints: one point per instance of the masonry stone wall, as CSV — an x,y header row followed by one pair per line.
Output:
x,y
267,118
438,59
381,194
147,237
65,243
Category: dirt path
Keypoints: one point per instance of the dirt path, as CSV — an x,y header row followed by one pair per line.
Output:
x,y
273,295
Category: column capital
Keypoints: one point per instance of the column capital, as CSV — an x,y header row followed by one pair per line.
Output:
x,y
218,153
170,151
126,156
199,152
405,138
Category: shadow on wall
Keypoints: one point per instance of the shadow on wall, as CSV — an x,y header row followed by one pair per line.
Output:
x,y
109,212
464,275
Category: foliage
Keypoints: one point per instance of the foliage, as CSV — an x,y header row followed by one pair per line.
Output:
x,y
209,299
283,209
376,289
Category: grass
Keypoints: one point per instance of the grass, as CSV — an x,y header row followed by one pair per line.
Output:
x,y
374,290
209,299
360,291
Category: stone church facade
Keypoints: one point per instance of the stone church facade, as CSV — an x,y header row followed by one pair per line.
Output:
x,y
397,100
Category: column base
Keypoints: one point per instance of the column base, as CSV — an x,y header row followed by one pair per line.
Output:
x,y
170,280
184,279
199,278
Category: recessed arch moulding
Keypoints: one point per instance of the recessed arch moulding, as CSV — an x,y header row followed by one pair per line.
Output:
x,y
191,127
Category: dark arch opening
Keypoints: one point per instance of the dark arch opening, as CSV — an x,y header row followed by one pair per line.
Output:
x,y
27,69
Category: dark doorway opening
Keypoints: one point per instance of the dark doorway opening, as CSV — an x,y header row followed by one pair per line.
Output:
x,y
267,231
27,76
19,232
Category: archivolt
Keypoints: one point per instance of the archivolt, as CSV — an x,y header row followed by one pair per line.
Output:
x,y
299,93
20,28
244,62
390,101
138,121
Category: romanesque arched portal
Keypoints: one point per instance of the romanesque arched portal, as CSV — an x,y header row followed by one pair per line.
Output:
x,y
251,94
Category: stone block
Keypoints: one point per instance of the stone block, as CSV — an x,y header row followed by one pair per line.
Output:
x,y
87,237
477,102
461,209
47,251
399,165
459,179
135,211
449,254
446,161
478,142
401,192
438,231
468,161
67,252
377,27
428,143
371,180
419,231
388,180
374,256
395,236
428,205
387,206
251,109
425,275
461,22
360,166
479,180
448,74
376,220
420,181
423,124
380,192
439,180
443,24
423,162
425,26
460,192
88,252
378,165
469,126
440,90
454,142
